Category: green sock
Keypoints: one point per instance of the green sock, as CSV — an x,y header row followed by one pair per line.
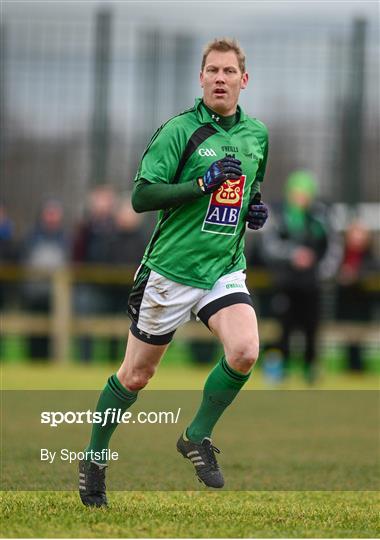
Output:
x,y
114,396
221,388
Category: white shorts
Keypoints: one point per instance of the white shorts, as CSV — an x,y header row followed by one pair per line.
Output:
x,y
158,306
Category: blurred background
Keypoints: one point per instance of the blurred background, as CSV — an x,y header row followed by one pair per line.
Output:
x,y
83,87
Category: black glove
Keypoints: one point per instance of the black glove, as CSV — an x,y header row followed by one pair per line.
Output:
x,y
257,213
227,168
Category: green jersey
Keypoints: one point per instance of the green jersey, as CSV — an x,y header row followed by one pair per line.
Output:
x,y
200,241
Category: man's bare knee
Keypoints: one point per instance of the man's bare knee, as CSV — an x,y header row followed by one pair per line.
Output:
x,y
136,379
136,382
139,363
243,357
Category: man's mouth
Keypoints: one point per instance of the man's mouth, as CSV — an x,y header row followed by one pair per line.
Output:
x,y
220,91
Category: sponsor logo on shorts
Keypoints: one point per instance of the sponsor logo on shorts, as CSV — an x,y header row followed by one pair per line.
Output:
x,y
223,211
234,286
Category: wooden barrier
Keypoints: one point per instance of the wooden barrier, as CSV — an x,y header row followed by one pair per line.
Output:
x,y
62,324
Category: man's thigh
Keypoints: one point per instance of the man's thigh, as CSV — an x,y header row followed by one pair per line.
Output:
x,y
228,290
236,327
228,312
140,357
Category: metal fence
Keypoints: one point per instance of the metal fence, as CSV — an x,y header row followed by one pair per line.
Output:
x,y
81,96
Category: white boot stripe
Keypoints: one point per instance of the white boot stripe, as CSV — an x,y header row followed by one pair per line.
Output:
x,y
192,453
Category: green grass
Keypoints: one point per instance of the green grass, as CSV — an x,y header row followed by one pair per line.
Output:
x,y
193,514
165,514
168,377
283,441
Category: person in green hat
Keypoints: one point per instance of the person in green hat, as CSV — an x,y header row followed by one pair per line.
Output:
x,y
294,247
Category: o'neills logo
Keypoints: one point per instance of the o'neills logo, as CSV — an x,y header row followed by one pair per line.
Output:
x,y
224,208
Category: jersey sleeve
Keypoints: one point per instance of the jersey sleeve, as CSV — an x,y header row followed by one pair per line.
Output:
x,y
264,143
262,137
161,158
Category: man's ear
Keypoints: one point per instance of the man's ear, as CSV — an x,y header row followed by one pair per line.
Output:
x,y
244,81
201,79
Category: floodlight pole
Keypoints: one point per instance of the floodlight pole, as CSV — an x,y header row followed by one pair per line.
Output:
x,y
99,143
352,159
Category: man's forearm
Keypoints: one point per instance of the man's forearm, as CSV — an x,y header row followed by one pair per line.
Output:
x,y
254,189
147,196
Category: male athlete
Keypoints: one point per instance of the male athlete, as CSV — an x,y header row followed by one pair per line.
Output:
x,y
202,170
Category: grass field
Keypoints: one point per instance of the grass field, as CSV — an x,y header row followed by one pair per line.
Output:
x,y
201,513
193,514
182,377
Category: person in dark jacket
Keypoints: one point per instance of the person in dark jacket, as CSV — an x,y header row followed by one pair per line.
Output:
x,y
92,237
93,245
294,247
44,248
9,291
128,242
127,248
8,253
354,301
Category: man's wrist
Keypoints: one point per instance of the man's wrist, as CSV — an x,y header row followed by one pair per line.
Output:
x,y
201,184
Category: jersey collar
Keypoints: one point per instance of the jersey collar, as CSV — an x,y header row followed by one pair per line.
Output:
x,y
205,118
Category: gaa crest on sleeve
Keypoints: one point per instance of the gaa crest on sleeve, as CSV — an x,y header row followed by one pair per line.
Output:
x,y
223,212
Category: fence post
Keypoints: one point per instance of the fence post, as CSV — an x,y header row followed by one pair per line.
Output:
x,y
61,314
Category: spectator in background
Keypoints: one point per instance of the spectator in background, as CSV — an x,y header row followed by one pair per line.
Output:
x,y
127,248
294,246
353,300
128,242
45,248
93,244
8,254
7,242
92,237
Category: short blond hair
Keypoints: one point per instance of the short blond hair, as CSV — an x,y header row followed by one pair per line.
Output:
x,y
224,45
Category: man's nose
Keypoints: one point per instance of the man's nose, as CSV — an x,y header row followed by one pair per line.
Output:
x,y
220,77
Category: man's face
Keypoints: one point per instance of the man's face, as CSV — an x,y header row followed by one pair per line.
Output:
x,y
222,80
300,198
